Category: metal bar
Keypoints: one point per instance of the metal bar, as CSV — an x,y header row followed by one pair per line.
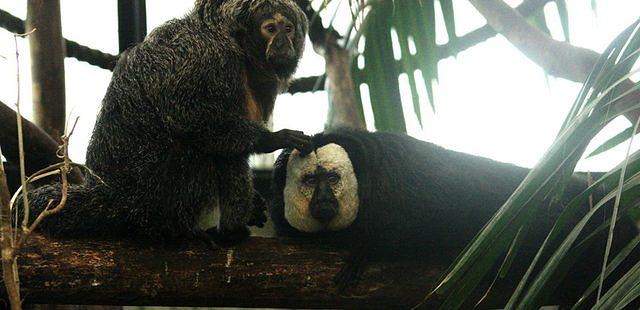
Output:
x,y
132,23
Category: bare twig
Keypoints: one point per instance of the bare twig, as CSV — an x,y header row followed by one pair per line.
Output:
x,y
11,248
8,254
64,169
7,240
23,177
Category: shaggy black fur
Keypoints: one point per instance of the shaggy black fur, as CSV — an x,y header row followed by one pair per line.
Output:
x,y
412,189
172,139
418,199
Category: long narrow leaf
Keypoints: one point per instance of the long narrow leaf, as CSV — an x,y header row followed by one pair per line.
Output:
x,y
383,83
632,295
620,289
613,142
449,22
615,212
615,263
563,13
402,23
585,120
546,274
595,78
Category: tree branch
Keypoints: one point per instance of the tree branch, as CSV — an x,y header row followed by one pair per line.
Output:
x,y
259,273
527,8
40,148
317,33
557,58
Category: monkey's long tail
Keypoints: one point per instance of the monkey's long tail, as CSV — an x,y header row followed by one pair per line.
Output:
x,y
88,210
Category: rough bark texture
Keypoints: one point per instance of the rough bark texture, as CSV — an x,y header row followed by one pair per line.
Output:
x,y
260,273
47,65
344,109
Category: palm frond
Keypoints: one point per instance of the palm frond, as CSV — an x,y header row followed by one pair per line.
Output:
x,y
590,113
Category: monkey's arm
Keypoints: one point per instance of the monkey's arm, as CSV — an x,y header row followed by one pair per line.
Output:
x,y
229,137
195,91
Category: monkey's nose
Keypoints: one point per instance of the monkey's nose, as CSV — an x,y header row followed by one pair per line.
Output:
x,y
324,213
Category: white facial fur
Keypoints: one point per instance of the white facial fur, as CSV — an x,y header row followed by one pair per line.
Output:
x,y
297,196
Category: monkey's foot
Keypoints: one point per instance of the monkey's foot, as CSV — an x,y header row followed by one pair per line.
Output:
x,y
258,217
225,237
206,238
350,274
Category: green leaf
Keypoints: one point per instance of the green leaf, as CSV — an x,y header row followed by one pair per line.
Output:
x,y
400,22
622,290
632,295
422,15
380,72
507,262
563,13
615,263
591,112
460,294
449,22
531,298
357,80
613,142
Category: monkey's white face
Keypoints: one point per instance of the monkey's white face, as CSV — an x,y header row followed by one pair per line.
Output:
x,y
298,193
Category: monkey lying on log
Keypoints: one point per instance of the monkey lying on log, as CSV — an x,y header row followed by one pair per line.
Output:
x,y
386,195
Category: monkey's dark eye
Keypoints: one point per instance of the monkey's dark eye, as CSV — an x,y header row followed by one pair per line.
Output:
x,y
288,28
333,178
271,28
310,180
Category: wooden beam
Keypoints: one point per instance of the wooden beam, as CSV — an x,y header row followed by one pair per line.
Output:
x,y
262,272
47,65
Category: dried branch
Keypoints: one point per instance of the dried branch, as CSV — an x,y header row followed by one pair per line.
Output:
x,y
10,247
64,171
23,176
9,274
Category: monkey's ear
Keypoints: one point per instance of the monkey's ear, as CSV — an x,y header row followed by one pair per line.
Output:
x,y
303,22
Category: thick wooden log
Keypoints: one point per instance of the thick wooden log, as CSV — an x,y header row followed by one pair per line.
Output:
x,y
262,272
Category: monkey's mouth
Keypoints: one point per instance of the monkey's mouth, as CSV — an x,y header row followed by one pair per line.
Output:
x,y
282,67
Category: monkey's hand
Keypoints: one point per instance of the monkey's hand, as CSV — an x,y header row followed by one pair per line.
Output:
x,y
285,138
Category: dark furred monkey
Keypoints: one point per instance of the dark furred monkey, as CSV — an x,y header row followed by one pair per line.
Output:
x,y
385,195
184,110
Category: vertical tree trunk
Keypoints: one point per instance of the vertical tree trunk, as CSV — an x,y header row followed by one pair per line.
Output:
x,y
344,109
47,65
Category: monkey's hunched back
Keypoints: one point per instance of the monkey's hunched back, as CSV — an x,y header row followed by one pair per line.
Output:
x,y
172,138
